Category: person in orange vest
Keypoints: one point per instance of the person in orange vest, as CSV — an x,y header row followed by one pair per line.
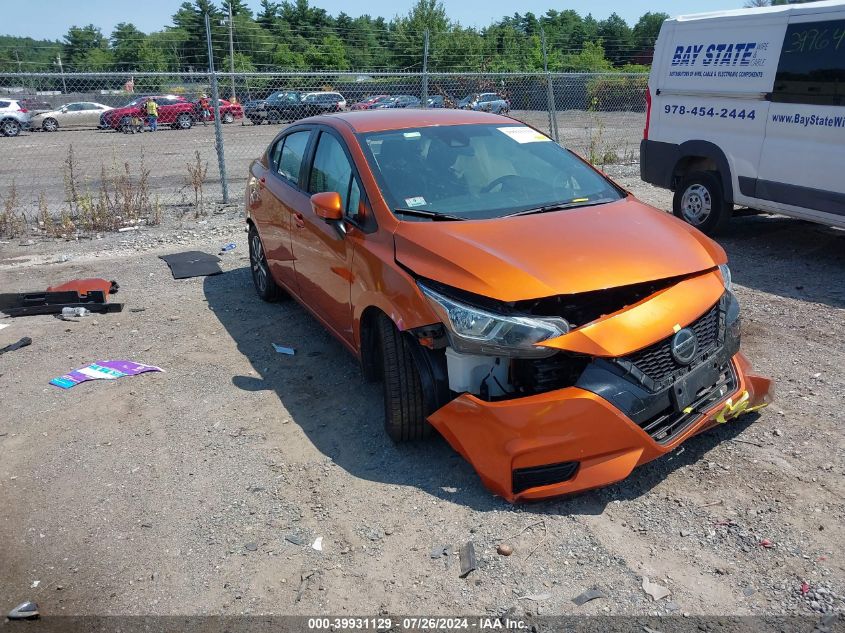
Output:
x,y
152,113
205,108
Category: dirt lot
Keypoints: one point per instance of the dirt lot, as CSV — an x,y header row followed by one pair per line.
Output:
x,y
39,164
201,489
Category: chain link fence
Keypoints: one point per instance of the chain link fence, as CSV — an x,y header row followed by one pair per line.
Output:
x,y
80,168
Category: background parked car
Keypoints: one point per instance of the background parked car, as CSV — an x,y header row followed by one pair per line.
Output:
x,y
228,111
73,115
326,101
286,105
368,102
13,117
399,101
485,102
439,101
173,110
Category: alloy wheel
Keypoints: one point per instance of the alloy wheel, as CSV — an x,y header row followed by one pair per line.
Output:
x,y
696,204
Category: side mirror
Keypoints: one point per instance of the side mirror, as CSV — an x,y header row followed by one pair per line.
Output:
x,y
327,205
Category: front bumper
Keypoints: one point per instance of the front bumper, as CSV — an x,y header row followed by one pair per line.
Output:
x,y
574,433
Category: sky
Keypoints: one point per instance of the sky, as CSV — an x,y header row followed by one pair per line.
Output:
x,y
52,18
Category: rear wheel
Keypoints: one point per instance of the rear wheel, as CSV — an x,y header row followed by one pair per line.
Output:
x,y
228,117
10,127
265,286
125,124
404,403
50,125
699,201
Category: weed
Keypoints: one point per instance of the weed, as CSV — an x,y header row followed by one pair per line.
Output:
x,y
12,222
196,178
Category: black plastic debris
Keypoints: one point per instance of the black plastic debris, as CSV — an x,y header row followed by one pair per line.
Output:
x,y
24,611
17,345
467,557
192,264
590,594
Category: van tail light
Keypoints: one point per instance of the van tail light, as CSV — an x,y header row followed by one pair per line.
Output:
x,y
647,112
24,110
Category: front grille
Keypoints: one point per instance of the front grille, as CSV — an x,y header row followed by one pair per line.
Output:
x,y
658,366
525,478
667,424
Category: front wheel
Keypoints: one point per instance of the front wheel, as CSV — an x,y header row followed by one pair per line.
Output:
x,y
265,286
404,403
50,125
228,117
699,201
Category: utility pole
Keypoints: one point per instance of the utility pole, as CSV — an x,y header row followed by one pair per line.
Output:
x,y
62,71
550,94
425,71
218,130
231,50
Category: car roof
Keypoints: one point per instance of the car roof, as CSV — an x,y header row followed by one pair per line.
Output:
x,y
362,121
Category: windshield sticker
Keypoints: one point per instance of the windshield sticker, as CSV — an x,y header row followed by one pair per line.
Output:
x,y
416,201
411,134
524,134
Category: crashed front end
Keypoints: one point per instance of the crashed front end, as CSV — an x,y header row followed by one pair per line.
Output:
x,y
563,394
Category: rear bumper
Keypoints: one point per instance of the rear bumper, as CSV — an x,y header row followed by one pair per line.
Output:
x,y
509,442
657,162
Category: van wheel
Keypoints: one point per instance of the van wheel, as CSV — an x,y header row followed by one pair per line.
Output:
x,y
699,201
265,286
404,416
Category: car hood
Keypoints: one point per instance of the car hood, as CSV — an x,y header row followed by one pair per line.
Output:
x,y
562,252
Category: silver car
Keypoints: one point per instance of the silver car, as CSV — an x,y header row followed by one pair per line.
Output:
x,y
13,117
82,114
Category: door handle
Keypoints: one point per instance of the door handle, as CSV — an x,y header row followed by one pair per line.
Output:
x,y
299,220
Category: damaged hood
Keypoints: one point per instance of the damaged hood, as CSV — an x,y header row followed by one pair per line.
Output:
x,y
559,252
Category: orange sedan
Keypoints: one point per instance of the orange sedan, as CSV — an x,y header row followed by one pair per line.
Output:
x,y
554,329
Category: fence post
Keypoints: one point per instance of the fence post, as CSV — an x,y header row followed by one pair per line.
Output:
x,y
550,93
218,130
424,94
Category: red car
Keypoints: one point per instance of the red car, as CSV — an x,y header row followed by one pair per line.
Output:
x,y
228,111
369,102
175,111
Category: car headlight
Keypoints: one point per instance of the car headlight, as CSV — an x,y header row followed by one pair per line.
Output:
x,y
473,330
726,276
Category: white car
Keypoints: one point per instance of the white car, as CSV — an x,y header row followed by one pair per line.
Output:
x,y
82,114
326,99
747,107
13,117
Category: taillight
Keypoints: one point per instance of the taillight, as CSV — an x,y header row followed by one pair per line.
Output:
x,y
647,112
24,110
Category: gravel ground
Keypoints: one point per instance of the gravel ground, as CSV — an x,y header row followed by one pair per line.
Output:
x,y
201,489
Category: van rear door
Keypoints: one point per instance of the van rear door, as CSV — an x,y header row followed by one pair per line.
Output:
x,y
804,148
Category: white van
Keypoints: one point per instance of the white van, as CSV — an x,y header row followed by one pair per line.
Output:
x,y
747,107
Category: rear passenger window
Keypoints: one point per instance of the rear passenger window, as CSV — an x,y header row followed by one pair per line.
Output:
x,y
290,160
5,104
811,68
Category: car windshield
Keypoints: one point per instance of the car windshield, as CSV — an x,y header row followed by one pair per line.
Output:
x,y
480,171
284,96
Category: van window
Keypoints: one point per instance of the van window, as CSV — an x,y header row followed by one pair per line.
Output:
x,y
812,64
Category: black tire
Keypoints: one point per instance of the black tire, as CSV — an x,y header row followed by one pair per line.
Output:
x,y
125,125
50,125
273,117
228,117
404,403
700,201
265,287
183,122
10,127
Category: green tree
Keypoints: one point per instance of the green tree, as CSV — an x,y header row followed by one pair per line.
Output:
x,y
79,44
617,38
646,30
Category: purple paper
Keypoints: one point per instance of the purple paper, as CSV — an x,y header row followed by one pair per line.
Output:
x,y
102,370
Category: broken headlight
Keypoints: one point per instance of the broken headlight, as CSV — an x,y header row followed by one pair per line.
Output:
x,y
474,330
726,276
